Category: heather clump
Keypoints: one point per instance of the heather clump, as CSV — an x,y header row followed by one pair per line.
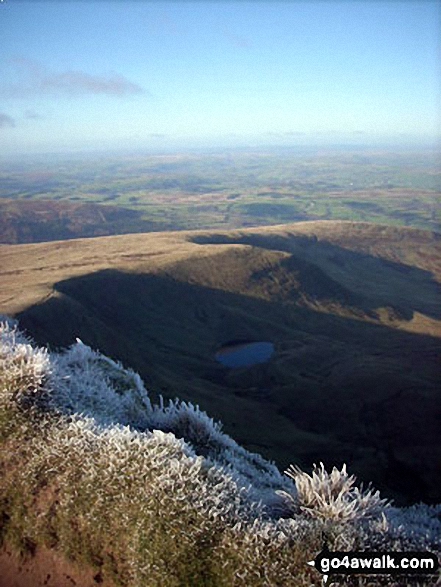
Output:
x,y
331,496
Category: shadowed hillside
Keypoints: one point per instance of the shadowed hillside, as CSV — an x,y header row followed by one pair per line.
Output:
x,y
353,312
33,221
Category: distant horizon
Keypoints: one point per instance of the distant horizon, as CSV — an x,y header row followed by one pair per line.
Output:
x,y
394,144
81,76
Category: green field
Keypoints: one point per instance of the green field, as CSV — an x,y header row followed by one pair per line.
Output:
x,y
228,189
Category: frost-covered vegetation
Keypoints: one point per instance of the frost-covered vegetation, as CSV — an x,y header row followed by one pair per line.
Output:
x,y
333,496
157,495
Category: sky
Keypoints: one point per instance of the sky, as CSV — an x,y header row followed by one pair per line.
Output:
x,y
84,75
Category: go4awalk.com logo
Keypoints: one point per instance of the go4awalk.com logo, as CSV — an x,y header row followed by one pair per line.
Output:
x,y
369,563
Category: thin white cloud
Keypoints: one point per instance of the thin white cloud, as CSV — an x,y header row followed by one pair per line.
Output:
x,y
32,78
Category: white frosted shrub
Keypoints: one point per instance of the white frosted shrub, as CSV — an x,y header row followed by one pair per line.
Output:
x,y
331,496
23,369
85,382
188,422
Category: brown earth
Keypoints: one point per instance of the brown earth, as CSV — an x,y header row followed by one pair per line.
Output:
x,y
45,568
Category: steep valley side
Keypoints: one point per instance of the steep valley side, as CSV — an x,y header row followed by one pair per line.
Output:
x,y
355,373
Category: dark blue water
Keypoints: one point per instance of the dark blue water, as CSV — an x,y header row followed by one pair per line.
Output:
x,y
245,354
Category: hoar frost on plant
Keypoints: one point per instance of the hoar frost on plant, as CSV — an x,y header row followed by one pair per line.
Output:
x,y
331,496
23,368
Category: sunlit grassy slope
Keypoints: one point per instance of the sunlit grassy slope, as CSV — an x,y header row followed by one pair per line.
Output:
x,y
137,494
353,311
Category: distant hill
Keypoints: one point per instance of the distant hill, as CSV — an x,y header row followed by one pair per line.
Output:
x,y
353,309
40,220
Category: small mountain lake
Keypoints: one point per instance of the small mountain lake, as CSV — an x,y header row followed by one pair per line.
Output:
x,y
244,354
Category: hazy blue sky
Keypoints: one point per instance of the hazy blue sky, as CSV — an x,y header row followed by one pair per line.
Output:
x,y
102,74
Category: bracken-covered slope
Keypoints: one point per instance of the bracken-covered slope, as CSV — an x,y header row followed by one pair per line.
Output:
x,y
33,221
106,487
354,312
